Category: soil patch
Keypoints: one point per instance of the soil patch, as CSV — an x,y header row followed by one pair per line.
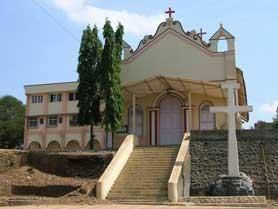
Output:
x,y
61,175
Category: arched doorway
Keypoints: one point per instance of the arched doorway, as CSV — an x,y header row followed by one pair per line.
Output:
x,y
53,146
34,146
170,121
73,145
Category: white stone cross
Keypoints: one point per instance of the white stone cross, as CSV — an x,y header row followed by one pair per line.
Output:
x,y
232,110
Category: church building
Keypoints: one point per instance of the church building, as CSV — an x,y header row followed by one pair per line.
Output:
x,y
169,83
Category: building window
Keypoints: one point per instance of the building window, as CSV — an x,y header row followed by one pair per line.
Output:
x,y
207,118
60,120
41,121
139,120
33,122
53,121
55,97
72,96
73,120
37,99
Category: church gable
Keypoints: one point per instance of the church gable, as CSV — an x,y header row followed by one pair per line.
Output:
x,y
169,26
176,53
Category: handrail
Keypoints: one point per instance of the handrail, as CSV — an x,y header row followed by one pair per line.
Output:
x,y
111,173
177,171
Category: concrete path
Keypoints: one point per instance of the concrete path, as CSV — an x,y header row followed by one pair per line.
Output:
x,y
120,207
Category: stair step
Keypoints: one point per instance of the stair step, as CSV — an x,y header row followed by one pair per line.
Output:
x,y
145,175
136,196
147,182
139,192
138,165
134,189
149,175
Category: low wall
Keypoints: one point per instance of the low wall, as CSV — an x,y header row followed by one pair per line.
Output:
x,y
111,173
179,180
258,158
44,191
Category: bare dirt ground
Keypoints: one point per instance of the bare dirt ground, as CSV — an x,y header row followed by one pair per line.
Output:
x,y
27,176
42,178
12,172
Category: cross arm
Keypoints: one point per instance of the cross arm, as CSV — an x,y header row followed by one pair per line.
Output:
x,y
243,109
218,109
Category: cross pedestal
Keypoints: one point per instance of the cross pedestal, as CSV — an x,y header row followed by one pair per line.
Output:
x,y
231,109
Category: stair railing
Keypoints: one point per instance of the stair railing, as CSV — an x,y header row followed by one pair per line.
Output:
x,y
111,173
179,181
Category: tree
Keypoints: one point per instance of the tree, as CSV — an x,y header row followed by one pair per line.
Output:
x,y
11,122
110,78
88,88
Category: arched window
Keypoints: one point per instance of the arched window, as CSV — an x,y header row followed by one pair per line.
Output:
x,y
139,120
207,119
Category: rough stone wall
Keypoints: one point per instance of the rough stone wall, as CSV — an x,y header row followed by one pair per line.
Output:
x,y
12,159
258,156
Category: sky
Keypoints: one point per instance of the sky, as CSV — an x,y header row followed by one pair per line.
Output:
x,y
40,39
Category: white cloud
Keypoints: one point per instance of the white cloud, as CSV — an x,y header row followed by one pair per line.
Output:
x,y
83,12
269,107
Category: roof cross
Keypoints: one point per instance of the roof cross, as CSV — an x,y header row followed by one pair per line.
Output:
x,y
201,34
170,12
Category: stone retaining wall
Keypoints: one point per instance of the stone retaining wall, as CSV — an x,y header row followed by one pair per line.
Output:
x,y
258,156
44,191
12,159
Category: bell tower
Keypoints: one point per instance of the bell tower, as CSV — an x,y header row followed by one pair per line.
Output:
x,y
229,53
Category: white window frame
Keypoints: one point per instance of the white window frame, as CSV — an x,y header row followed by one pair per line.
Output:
x,y
57,97
37,99
33,122
51,119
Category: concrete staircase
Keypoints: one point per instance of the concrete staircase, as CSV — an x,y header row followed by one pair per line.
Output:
x,y
145,175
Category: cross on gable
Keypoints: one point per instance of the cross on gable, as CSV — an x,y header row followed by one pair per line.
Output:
x,y
231,110
170,12
201,34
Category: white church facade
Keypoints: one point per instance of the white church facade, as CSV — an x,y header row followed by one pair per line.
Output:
x,y
169,84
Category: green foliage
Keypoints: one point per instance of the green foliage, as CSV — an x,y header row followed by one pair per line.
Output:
x,y
275,124
275,121
111,83
88,88
99,78
11,122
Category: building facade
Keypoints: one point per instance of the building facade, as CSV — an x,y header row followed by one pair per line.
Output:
x,y
169,83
